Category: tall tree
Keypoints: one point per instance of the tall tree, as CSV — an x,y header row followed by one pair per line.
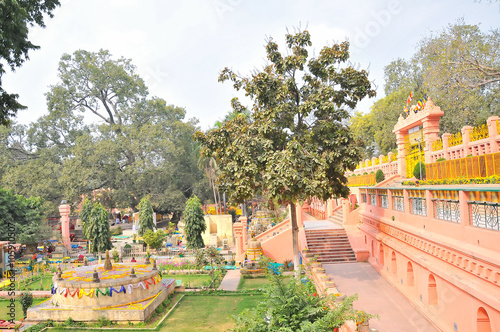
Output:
x,y
25,215
195,223
297,142
85,213
16,17
146,222
98,229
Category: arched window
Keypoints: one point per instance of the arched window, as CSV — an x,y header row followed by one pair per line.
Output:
x,y
394,265
483,321
381,254
432,290
410,278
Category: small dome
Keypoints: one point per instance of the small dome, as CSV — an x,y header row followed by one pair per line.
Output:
x,y
254,244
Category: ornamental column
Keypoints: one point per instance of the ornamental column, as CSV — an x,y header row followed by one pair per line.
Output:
x,y
64,211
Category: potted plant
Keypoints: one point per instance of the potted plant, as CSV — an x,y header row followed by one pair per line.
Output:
x,y
135,237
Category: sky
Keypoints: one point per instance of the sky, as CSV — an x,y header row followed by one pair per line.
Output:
x,y
180,47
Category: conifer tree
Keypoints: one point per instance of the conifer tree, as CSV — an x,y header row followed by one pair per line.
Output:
x,y
195,223
145,216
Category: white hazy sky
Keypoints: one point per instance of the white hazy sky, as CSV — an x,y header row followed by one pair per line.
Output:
x,y
179,47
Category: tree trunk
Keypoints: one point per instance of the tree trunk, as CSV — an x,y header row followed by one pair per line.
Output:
x,y
220,204
295,240
215,200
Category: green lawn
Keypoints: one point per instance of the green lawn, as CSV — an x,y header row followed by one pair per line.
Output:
x,y
191,280
208,313
253,283
46,284
199,313
4,310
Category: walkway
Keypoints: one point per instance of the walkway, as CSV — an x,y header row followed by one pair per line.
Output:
x,y
231,280
377,296
4,294
312,225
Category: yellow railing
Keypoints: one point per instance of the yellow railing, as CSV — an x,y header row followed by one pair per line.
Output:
x,y
437,145
394,157
385,159
479,132
455,140
361,180
465,168
498,127
368,163
377,161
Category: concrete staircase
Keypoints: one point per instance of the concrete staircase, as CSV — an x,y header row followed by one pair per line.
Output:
x,y
331,245
337,217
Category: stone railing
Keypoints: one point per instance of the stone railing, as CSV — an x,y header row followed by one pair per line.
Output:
x,y
474,141
388,164
275,230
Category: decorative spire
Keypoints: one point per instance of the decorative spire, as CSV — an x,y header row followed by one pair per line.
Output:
x,y
59,273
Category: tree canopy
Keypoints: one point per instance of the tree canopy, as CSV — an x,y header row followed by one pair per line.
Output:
x,y
17,16
458,68
297,142
25,215
146,222
138,145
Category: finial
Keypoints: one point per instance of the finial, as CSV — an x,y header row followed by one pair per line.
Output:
x,y
59,273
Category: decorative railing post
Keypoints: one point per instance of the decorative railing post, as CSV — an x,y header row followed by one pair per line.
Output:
x,y
446,144
466,140
493,133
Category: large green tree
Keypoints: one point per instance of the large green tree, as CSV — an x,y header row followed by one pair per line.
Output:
x,y
22,217
297,143
194,223
16,16
98,229
141,146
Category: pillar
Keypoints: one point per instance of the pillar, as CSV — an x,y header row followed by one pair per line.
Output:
x,y
64,211
244,234
238,232
493,133
466,140
446,145
400,140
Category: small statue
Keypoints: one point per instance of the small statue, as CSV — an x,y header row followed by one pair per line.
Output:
x,y
95,276
85,262
59,273
154,264
132,273
107,263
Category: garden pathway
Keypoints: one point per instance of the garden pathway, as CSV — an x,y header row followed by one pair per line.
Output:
x,y
231,280
4,294
377,296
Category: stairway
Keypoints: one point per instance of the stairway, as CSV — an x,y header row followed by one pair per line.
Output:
x,y
331,245
337,217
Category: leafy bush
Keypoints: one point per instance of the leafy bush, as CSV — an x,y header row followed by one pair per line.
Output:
x,y
26,300
379,176
416,170
293,306
441,159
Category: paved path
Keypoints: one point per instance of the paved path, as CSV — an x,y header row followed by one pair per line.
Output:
x,y
35,293
231,280
377,296
311,225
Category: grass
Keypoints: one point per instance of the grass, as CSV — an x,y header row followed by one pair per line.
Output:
x,y
253,283
208,313
4,310
197,313
46,284
191,280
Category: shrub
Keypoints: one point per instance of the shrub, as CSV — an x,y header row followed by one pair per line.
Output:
x,y
416,170
26,300
379,176
441,159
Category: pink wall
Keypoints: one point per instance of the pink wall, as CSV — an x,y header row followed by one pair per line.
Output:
x,y
279,247
464,261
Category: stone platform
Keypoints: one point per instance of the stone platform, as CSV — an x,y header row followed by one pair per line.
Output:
x,y
118,296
